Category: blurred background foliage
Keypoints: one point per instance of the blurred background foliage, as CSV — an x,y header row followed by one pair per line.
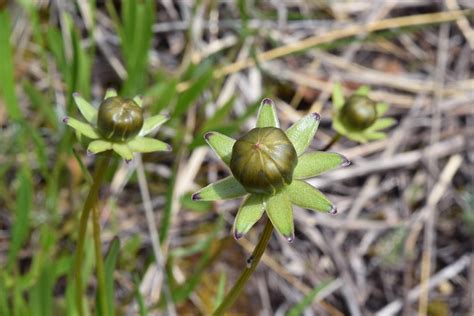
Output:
x,y
406,206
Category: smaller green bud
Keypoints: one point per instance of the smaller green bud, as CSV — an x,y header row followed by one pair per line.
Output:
x,y
358,113
119,119
263,160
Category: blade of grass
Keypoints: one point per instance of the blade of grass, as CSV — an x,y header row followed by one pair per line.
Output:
x,y
201,80
220,291
7,83
110,263
4,308
163,92
136,35
184,290
41,295
24,203
139,298
299,308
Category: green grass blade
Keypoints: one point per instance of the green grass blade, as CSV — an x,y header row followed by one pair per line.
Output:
x,y
41,295
163,93
220,292
110,263
24,203
299,308
183,291
4,307
198,85
136,35
7,83
42,104
166,220
139,298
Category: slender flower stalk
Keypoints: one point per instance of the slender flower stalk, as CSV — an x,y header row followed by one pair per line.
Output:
x,y
119,126
252,264
91,202
268,167
99,261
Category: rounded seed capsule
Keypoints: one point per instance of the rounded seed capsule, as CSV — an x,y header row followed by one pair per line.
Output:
x,y
263,160
119,119
358,113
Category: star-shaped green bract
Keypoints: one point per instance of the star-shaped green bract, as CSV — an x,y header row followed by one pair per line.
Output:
x,y
374,131
279,205
125,148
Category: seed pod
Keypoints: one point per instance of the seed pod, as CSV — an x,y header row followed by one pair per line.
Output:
x,y
119,119
358,113
263,160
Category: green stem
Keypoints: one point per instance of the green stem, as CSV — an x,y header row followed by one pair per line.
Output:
x,y
99,262
91,201
332,142
234,293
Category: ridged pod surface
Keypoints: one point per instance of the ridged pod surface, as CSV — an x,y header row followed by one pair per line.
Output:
x,y
119,119
263,160
358,113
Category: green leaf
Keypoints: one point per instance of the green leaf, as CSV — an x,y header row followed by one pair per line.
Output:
x,y
136,37
83,128
201,266
249,213
317,162
109,267
337,96
280,212
20,225
41,294
87,110
163,92
7,83
139,297
219,117
81,66
4,301
138,100
302,132
147,145
123,151
359,137
169,199
363,91
41,102
369,135
220,291
306,196
382,123
267,116
110,93
225,189
98,146
299,308
196,206
198,85
221,145
152,123
338,126
382,107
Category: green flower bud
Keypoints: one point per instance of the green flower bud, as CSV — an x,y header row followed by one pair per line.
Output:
x,y
263,160
119,119
358,113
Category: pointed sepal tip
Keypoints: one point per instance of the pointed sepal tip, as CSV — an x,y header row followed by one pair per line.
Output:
x,y
196,196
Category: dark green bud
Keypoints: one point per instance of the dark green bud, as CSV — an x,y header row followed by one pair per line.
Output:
x,y
263,160
358,113
119,119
